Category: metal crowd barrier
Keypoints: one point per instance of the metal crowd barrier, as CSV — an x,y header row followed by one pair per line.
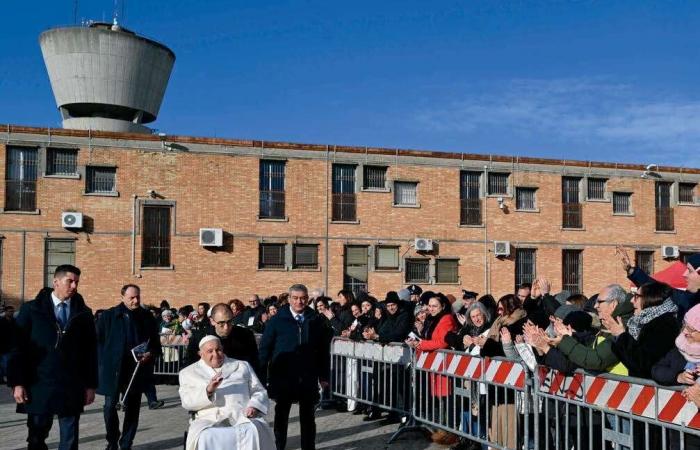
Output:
x,y
171,360
585,411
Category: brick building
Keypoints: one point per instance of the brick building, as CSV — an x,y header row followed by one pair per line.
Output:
x,y
326,216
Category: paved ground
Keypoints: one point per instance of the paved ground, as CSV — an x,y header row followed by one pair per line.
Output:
x,y
163,429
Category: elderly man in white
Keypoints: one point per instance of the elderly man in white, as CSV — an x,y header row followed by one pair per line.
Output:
x,y
229,401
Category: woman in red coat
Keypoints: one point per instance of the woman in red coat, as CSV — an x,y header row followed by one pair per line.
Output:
x,y
438,323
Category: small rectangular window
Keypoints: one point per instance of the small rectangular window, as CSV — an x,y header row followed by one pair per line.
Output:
x,y
387,258
61,161
417,270
155,245
622,203
469,198
645,261
100,180
498,183
572,271
57,252
446,270
525,199
272,189
525,264
686,193
271,256
596,189
305,256
374,178
405,193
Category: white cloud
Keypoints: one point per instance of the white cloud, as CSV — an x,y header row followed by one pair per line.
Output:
x,y
590,112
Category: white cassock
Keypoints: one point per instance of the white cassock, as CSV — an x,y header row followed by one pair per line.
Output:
x,y
220,421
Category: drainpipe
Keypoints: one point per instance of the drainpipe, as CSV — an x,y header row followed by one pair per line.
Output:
x,y
23,265
487,272
133,235
325,283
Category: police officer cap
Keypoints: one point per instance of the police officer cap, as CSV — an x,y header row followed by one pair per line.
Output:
x,y
469,294
414,289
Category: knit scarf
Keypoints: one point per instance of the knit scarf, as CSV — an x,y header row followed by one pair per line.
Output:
x,y
636,322
504,321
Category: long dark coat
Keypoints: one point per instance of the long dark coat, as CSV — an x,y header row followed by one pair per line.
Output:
x,y
54,366
239,344
293,359
116,362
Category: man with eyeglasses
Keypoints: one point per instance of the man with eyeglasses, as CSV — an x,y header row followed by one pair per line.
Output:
x,y
238,342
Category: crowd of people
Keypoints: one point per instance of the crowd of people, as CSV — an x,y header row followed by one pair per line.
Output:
x,y
651,331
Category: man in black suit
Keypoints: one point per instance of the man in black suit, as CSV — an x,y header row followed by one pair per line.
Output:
x,y
295,349
53,364
119,330
238,342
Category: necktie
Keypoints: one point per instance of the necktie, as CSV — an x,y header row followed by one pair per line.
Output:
x,y
62,314
300,320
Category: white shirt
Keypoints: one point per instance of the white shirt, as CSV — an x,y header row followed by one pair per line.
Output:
x,y
57,301
295,315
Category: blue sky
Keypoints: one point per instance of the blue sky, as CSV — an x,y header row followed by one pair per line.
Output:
x,y
591,80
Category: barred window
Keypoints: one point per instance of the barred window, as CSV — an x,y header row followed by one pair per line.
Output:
x,y
470,203
344,206
272,189
571,204
305,256
498,183
572,270
20,179
57,252
356,268
446,270
525,198
61,161
417,270
387,258
664,210
405,193
374,177
155,245
686,193
622,203
271,256
525,264
100,179
596,189
644,260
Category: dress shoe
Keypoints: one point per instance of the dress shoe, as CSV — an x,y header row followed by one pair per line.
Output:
x,y
373,415
157,404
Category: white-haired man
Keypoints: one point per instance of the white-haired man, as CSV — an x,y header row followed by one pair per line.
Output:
x,y
228,400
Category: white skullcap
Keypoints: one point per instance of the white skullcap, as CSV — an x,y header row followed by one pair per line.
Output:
x,y
208,338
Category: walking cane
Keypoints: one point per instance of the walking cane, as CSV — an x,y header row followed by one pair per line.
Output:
x,y
122,398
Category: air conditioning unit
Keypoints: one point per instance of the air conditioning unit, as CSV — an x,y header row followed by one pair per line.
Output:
x,y
670,251
72,220
211,237
423,245
501,248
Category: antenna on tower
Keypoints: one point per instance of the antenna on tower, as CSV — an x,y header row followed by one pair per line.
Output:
x,y
75,12
118,13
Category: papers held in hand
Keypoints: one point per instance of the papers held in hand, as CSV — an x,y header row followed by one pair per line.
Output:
x,y
138,351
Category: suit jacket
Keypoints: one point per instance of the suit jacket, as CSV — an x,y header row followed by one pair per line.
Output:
x,y
54,366
294,358
239,344
116,361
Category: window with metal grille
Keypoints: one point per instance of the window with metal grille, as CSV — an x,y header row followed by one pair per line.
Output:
x,y
446,270
374,178
684,255
100,179
305,256
662,202
571,205
356,268
469,197
596,189
20,179
386,258
272,189
686,193
525,198
498,183
525,265
622,203
644,259
155,242
572,271
417,270
405,193
271,256
344,207
57,252
61,161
